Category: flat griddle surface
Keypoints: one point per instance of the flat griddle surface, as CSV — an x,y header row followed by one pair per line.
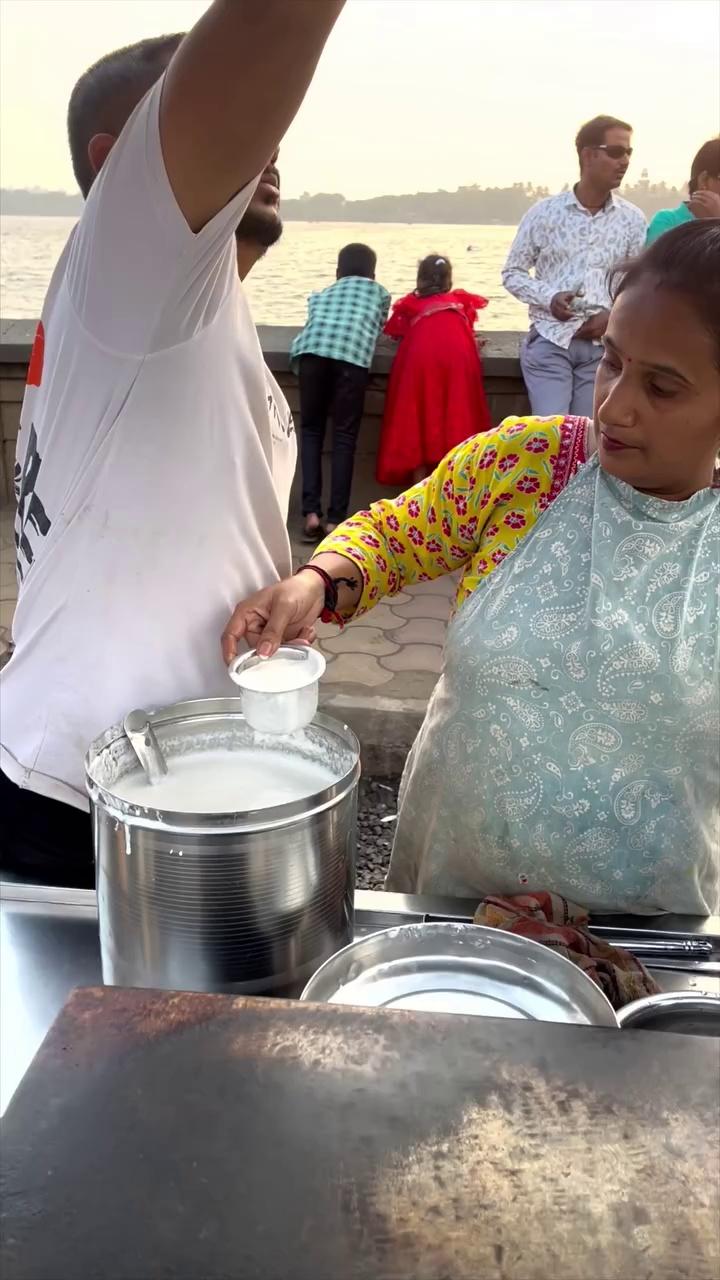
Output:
x,y
200,1137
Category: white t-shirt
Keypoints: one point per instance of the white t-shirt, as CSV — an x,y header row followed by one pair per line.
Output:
x,y
154,464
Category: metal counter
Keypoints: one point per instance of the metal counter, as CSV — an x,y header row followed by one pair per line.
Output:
x,y
49,945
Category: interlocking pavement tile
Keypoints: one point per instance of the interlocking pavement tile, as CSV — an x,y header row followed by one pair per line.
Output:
x,y
8,582
362,640
425,607
357,668
327,631
7,613
7,536
381,616
443,586
415,657
421,631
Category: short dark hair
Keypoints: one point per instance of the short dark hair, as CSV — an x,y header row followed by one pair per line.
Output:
x,y
106,95
707,160
356,260
434,275
593,133
685,260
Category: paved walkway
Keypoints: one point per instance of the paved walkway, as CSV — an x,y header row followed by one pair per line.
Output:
x,y
393,652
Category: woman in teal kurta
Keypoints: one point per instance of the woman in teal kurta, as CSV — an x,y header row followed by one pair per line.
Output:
x,y
704,194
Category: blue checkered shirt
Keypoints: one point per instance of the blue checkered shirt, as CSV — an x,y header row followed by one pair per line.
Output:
x,y
344,322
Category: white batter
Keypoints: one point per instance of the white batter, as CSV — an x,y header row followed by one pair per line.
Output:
x,y
227,782
278,675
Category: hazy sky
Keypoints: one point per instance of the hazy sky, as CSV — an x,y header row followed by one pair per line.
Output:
x,y
411,94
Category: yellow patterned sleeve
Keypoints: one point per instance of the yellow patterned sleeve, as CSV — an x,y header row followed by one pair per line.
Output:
x,y
468,515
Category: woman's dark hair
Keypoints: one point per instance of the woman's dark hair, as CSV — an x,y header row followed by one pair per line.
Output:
x,y
685,260
357,260
707,160
434,275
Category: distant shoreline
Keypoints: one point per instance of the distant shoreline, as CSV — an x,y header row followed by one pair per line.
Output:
x,y
468,206
290,217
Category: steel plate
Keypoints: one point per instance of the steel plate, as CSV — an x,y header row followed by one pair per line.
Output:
x,y
460,968
694,1014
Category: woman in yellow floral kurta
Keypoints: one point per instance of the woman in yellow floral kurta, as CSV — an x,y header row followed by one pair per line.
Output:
x,y
481,500
572,743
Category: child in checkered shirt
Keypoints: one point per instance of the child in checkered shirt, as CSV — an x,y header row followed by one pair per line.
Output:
x,y
332,355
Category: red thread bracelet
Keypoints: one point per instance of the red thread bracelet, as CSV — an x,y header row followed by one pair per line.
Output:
x,y
329,612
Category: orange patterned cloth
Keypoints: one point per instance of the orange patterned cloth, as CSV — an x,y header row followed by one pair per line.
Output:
x,y
560,925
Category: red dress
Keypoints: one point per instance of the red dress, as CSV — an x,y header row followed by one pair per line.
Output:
x,y
435,397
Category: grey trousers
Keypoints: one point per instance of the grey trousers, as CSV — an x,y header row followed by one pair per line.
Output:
x,y
559,381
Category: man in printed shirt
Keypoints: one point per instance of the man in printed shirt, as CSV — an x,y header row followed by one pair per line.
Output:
x,y
332,355
571,241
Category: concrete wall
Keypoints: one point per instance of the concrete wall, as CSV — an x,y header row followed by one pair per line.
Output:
x,y
503,382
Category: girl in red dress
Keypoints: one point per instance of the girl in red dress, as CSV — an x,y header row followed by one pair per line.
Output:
x,y
435,397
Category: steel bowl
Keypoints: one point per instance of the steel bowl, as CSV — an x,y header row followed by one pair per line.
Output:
x,y
460,968
692,1013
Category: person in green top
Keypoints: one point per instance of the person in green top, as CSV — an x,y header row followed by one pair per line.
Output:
x,y
703,189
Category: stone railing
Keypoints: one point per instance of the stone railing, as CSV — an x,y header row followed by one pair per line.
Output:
x,y
503,383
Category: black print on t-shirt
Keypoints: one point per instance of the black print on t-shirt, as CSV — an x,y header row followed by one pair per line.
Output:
x,y
278,421
29,506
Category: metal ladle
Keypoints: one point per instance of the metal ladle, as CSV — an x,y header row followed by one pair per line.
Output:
x,y
144,743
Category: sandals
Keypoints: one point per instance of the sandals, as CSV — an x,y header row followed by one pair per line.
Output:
x,y
311,535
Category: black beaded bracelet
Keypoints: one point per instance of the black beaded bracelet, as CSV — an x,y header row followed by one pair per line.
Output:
x,y
331,591
330,613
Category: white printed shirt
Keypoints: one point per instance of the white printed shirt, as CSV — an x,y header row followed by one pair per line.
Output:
x,y
569,249
154,463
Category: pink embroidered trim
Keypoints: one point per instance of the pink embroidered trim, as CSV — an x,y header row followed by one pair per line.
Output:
x,y
571,454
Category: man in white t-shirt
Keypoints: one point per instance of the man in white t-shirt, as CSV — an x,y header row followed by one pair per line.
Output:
x,y
155,452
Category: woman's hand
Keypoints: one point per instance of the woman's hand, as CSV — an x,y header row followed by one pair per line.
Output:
x,y
705,204
286,611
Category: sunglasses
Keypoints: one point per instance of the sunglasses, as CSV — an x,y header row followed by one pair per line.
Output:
x,y
614,150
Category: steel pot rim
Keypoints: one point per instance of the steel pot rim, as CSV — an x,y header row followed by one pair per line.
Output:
x,y
198,711
633,1014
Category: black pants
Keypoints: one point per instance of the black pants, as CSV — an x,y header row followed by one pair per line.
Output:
x,y
44,841
336,389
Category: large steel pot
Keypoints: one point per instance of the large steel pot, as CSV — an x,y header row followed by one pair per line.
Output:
x,y
246,902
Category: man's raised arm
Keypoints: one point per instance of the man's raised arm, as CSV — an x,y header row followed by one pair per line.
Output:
x,y
232,90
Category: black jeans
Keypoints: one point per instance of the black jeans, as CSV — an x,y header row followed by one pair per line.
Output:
x,y
336,389
44,841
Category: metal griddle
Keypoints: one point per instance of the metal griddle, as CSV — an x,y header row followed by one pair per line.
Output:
x,y
206,1136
